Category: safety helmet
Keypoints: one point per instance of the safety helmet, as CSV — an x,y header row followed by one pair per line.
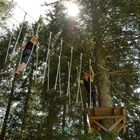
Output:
x,y
86,75
34,40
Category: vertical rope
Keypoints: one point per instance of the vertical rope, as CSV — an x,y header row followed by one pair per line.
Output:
x,y
48,53
69,75
9,44
90,81
36,34
60,90
36,62
14,49
79,75
48,72
58,67
36,67
22,49
81,99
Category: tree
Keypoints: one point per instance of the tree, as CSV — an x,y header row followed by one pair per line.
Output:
x,y
111,26
6,8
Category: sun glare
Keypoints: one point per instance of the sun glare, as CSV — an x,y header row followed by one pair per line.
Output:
x,y
72,9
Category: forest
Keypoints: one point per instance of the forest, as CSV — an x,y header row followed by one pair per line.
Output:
x,y
49,101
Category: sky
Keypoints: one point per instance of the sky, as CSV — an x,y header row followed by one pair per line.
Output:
x,y
34,10
32,7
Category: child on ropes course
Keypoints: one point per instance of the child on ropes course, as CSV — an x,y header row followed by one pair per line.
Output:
x,y
29,49
91,89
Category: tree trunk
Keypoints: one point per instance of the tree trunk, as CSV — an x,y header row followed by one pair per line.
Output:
x,y
85,114
105,99
3,130
50,122
26,107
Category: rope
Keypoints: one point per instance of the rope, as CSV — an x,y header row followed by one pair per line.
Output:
x,y
60,90
36,63
11,36
81,99
48,85
79,75
69,74
21,54
36,34
18,36
49,62
90,82
48,53
58,67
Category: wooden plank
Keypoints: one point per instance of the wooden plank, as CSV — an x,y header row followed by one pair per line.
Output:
x,y
105,111
105,117
115,124
120,128
100,125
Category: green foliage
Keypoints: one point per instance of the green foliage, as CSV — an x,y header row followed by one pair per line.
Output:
x,y
6,8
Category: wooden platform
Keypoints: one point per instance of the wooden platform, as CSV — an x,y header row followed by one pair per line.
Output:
x,y
116,115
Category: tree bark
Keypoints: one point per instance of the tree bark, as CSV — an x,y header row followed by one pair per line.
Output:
x,y
3,130
105,99
26,107
85,114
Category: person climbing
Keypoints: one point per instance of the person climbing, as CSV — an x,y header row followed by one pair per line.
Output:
x,y
31,44
92,92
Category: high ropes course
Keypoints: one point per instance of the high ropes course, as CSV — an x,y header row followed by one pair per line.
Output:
x,y
95,114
